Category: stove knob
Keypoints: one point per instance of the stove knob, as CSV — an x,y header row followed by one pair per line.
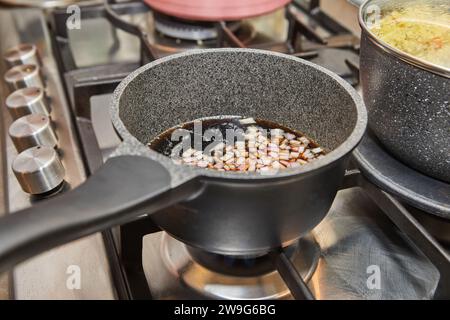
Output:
x,y
26,75
26,101
32,130
39,170
24,53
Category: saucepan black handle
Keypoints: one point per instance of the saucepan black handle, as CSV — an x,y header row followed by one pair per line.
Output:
x,y
122,189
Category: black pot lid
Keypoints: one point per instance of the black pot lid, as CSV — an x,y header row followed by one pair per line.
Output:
x,y
391,175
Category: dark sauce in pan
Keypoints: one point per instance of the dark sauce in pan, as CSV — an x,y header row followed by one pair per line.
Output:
x,y
163,143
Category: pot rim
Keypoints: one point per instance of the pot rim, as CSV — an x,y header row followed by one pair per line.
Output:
x,y
403,56
134,146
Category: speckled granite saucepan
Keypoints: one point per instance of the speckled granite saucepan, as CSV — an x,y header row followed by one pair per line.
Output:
x,y
228,213
408,99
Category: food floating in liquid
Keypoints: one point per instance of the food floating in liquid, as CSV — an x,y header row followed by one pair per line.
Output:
x,y
237,144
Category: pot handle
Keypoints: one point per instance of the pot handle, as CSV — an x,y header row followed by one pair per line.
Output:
x,y
122,189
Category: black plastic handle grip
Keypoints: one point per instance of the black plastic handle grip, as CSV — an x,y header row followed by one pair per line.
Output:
x,y
123,189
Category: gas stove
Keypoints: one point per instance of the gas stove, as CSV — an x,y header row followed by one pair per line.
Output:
x,y
370,246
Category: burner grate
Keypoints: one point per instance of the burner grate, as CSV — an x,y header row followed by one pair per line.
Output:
x,y
227,277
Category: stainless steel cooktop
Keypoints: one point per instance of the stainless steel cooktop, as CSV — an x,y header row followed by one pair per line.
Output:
x,y
355,253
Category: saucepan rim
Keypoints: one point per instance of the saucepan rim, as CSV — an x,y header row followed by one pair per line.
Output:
x,y
403,56
133,146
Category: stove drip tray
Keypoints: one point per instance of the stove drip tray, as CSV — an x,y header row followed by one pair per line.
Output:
x,y
228,277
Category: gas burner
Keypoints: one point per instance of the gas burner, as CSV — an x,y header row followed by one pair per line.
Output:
x,y
229,277
187,29
166,45
173,35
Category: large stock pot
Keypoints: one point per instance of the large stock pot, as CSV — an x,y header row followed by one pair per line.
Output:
x,y
407,97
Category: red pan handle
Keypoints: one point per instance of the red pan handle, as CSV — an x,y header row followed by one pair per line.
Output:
x,y
123,189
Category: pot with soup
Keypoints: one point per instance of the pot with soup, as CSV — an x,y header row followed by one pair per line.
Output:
x,y
405,75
